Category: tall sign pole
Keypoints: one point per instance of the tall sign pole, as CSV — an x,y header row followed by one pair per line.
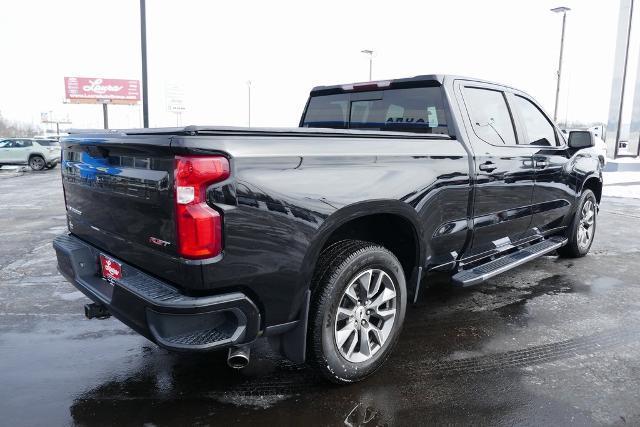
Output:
x,y
105,115
143,47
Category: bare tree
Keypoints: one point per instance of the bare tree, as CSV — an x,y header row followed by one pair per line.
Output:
x,y
12,128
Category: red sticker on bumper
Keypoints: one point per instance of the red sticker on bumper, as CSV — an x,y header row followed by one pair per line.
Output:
x,y
110,268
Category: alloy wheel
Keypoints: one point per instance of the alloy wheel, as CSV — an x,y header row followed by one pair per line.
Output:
x,y
37,163
365,315
586,226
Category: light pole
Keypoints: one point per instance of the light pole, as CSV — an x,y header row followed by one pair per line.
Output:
x,y
564,11
249,107
143,48
370,53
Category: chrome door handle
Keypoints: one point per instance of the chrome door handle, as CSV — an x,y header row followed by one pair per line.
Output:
x,y
541,164
488,167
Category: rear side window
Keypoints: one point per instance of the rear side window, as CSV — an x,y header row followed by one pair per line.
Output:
x,y
48,143
331,111
419,110
490,116
539,130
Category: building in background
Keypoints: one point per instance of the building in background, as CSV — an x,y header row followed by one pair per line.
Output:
x,y
623,126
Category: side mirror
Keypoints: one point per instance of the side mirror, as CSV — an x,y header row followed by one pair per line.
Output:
x,y
581,139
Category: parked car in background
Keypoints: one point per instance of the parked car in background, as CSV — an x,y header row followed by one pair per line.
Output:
x,y
37,153
54,136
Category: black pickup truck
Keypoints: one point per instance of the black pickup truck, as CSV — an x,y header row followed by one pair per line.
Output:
x,y
317,238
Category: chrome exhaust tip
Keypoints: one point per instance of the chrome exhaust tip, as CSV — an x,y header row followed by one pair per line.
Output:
x,y
238,357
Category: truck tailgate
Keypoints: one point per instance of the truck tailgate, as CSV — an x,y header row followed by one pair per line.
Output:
x,y
119,197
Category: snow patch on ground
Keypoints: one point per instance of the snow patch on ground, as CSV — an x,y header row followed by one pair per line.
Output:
x,y
622,184
69,296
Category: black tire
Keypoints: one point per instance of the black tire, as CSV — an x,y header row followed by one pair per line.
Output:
x,y
37,163
337,269
52,166
574,248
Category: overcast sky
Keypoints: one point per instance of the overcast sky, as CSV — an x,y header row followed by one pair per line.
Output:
x,y
211,49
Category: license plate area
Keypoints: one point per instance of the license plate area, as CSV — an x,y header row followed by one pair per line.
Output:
x,y
111,270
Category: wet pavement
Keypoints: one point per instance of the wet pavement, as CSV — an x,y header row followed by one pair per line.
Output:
x,y
552,342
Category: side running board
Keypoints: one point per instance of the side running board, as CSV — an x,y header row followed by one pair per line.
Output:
x,y
482,272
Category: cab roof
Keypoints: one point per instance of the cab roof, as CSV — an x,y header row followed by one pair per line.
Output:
x,y
426,80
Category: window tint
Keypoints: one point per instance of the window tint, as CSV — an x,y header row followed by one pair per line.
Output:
x,y
400,110
5,144
490,116
48,143
329,111
26,143
539,129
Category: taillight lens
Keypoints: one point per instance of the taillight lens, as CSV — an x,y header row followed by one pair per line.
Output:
x,y
199,226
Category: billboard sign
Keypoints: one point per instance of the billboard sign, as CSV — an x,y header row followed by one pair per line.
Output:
x,y
96,90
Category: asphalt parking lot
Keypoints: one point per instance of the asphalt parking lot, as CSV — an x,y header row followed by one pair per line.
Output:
x,y
553,342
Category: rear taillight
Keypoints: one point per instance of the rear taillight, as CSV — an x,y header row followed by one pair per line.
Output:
x,y
199,226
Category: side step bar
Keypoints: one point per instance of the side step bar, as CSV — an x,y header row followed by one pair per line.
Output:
x,y
482,272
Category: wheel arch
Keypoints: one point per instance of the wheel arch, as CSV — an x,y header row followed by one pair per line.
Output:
x,y
36,154
593,183
293,344
391,224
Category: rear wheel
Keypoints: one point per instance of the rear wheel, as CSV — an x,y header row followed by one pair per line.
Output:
x,y
357,312
37,163
583,227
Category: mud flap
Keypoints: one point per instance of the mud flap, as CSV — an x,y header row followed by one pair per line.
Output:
x,y
294,342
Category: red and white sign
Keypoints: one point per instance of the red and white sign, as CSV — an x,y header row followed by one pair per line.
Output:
x,y
99,90
110,268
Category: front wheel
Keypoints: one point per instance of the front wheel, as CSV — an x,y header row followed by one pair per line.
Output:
x,y
357,312
583,227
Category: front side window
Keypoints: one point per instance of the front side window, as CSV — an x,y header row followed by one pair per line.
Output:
x,y
490,116
539,130
419,110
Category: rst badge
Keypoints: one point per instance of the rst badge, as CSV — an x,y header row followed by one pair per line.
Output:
x,y
159,242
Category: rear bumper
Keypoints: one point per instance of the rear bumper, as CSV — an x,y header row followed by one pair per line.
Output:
x,y
155,309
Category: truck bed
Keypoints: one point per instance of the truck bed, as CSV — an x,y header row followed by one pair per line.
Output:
x,y
284,184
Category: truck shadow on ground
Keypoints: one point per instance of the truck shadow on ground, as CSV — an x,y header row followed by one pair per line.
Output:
x,y
442,342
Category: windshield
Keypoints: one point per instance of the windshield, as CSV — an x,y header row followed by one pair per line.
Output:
x,y
48,143
400,110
